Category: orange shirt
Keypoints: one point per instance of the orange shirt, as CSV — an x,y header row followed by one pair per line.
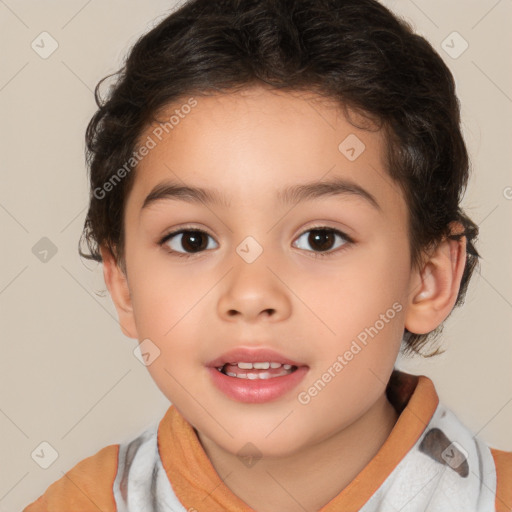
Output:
x,y
168,461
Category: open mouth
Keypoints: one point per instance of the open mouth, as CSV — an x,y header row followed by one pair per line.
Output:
x,y
257,370
255,375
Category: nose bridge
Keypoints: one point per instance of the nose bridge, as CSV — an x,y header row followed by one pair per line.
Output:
x,y
253,259
252,286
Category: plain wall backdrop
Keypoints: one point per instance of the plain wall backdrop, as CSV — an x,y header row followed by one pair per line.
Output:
x,y
68,375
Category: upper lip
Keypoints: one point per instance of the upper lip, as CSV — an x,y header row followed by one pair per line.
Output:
x,y
251,355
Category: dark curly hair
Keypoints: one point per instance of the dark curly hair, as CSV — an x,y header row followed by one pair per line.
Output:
x,y
355,52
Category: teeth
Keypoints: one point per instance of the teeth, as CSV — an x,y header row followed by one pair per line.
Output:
x,y
260,366
264,365
259,375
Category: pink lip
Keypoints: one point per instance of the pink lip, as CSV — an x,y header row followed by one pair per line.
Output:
x,y
257,390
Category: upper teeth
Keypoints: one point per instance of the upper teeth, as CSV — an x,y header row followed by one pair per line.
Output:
x,y
262,366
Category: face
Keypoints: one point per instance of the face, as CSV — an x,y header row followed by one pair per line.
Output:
x,y
320,278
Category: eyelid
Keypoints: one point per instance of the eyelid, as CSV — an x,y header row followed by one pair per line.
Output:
x,y
326,227
175,231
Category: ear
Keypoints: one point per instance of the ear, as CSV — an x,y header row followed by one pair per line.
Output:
x,y
117,285
436,285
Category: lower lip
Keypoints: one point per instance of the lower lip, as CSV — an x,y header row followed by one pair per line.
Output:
x,y
258,390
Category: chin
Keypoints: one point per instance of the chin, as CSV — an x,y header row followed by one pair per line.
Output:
x,y
254,445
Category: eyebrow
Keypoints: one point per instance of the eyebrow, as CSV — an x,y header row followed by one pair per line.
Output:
x,y
289,195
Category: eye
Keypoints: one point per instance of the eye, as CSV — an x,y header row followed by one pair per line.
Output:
x,y
187,242
322,239
191,240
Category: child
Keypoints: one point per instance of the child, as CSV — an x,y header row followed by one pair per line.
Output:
x,y
313,147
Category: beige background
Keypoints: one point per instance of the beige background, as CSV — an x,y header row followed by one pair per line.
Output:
x,y
68,375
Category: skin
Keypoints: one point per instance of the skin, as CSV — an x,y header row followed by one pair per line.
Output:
x,y
249,145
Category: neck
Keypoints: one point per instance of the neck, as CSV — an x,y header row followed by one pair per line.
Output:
x,y
310,477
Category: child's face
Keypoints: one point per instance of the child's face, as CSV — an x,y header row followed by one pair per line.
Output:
x,y
250,146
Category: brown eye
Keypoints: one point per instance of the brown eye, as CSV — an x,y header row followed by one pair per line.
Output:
x,y
323,239
187,241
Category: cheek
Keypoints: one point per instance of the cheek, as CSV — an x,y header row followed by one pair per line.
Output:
x,y
363,308
165,295
366,285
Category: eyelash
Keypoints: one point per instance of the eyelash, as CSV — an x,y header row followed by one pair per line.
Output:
x,y
324,254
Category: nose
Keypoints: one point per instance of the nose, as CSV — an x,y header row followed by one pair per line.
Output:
x,y
254,292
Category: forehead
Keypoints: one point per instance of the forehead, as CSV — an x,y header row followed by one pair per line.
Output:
x,y
254,145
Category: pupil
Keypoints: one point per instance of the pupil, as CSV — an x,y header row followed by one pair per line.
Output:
x,y
191,241
323,239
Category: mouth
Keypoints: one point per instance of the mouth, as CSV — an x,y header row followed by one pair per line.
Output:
x,y
255,375
258,370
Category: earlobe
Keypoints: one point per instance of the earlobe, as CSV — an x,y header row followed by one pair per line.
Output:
x,y
434,291
117,285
